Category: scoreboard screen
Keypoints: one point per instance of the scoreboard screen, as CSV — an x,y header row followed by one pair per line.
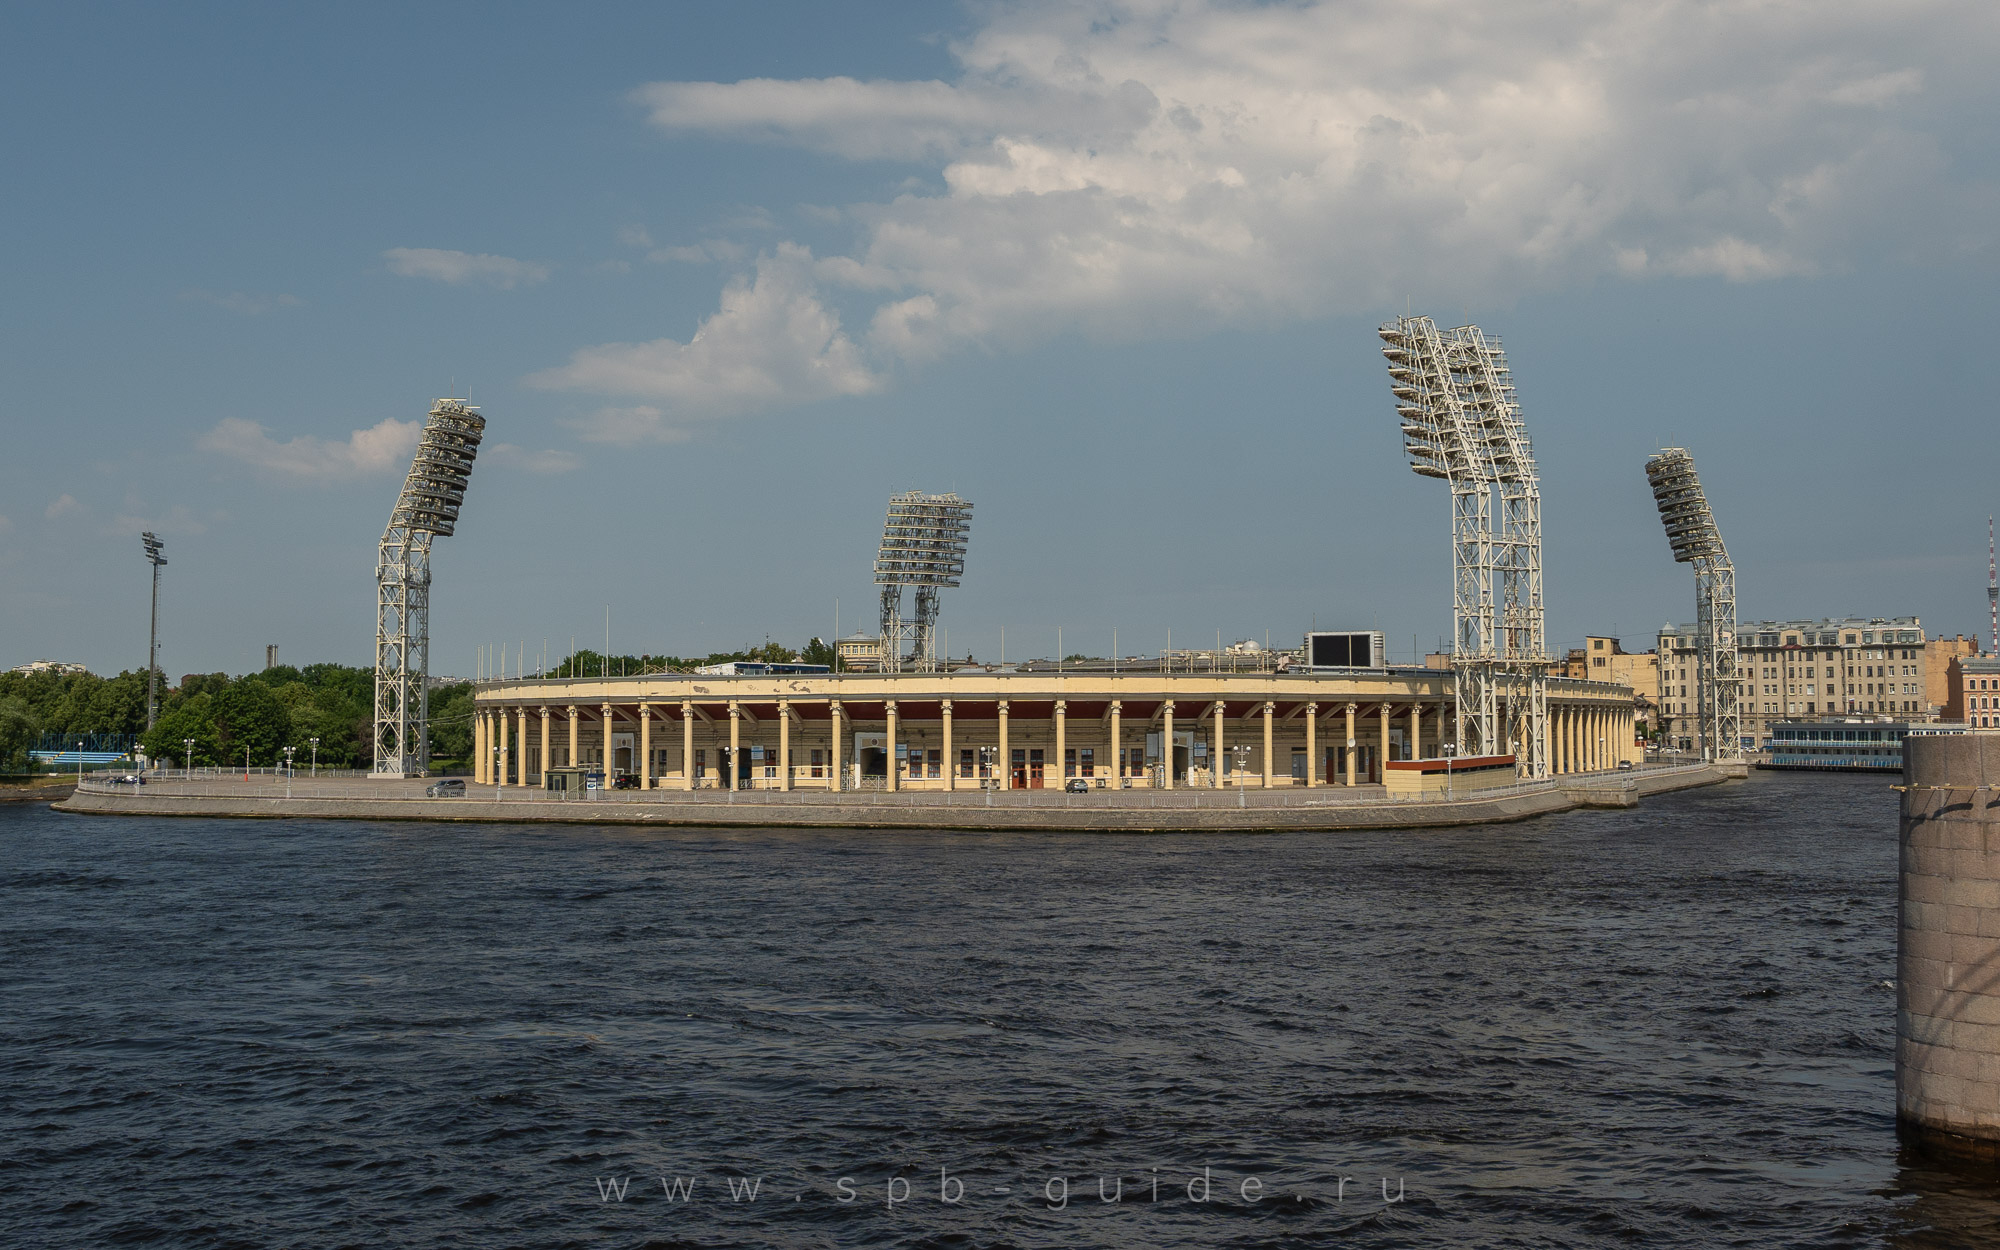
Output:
x,y
1351,649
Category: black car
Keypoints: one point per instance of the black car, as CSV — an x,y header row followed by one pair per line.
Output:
x,y
449,788
1076,785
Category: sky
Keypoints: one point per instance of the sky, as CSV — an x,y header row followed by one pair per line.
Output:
x,y
722,278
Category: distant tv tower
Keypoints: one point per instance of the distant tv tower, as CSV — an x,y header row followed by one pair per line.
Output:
x,y
1992,585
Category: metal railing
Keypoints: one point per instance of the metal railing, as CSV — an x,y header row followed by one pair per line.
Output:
x,y
267,787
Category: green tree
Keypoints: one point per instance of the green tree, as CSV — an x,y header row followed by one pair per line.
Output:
x,y
18,732
187,718
451,724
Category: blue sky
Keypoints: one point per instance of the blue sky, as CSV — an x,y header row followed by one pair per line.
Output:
x,y
725,277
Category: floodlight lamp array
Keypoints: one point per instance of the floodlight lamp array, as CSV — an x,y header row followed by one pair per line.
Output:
x,y
154,548
435,489
923,540
1421,437
1684,510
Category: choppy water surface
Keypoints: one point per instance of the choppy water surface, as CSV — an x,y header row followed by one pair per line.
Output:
x,y
1667,1026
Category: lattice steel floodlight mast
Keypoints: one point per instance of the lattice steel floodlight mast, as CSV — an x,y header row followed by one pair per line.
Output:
x,y
153,557
427,509
1444,438
923,546
1692,533
1480,369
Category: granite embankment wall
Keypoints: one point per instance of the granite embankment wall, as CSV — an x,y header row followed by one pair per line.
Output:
x,y
1112,812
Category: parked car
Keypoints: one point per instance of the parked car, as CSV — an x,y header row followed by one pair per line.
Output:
x,y
625,781
1076,785
1624,763
129,779
448,788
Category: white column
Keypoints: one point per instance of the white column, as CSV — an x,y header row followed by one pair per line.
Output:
x,y
1117,759
610,760
1218,752
1312,744
889,719
833,720
950,760
1061,719
573,747
1350,744
1004,763
645,746
1270,769
687,745
784,744
545,747
735,745
1167,743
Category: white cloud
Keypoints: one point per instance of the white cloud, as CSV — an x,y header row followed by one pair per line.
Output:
x,y
464,268
62,506
771,343
700,253
179,519
245,302
383,447
548,460
1127,167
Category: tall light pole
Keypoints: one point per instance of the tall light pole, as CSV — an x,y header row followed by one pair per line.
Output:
x,y
315,747
158,561
1695,540
187,757
426,510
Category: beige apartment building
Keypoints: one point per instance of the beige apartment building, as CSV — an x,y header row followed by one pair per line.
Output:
x,y
1939,652
1793,670
1602,658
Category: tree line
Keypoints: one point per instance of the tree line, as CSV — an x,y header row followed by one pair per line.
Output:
x,y
264,712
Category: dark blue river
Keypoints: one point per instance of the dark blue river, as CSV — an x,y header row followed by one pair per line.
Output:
x,y
1671,1026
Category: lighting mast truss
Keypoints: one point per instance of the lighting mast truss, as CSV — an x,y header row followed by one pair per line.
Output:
x,y
1444,437
923,546
1692,533
1481,369
427,509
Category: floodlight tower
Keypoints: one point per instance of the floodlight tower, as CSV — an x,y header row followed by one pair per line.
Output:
x,y
1444,438
1692,533
923,545
153,557
1480,369
427,509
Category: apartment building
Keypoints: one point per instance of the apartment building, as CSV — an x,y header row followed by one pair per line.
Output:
x,y
1801,669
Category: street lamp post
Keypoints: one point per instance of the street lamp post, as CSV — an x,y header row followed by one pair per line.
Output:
x,y
187,757
153,557
1242,758
79,761
986,766
1450,749
315,763
288,771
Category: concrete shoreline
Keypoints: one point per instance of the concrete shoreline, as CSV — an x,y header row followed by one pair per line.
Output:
x,y
1097,811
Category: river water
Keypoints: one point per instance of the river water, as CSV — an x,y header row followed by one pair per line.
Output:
x,y
1669,1026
